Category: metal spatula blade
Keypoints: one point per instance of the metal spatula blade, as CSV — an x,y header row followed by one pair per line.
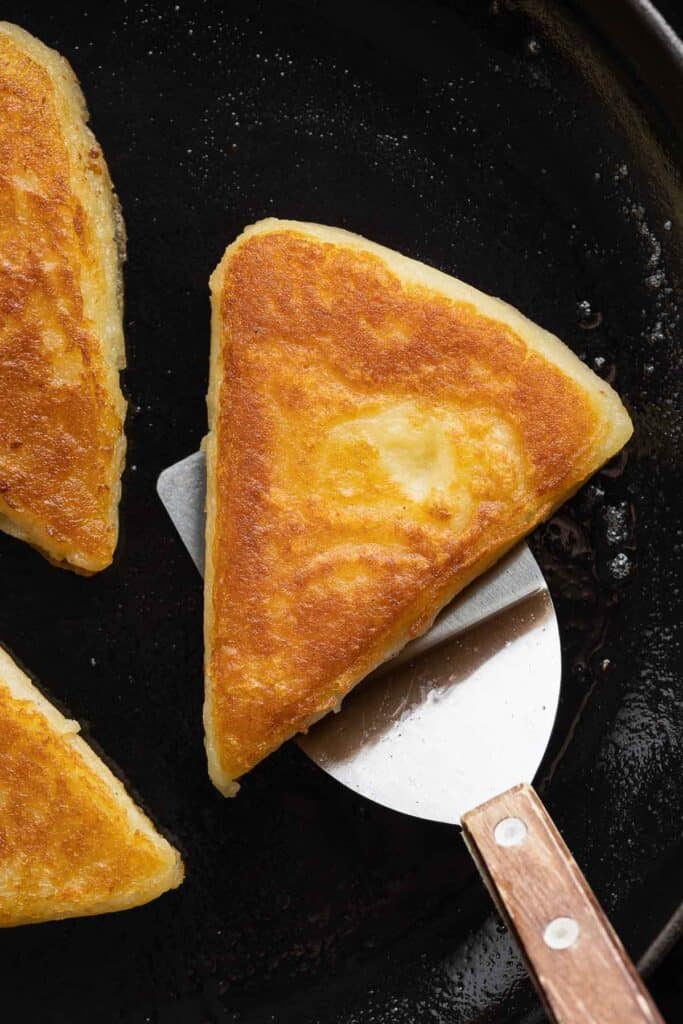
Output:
x,y
182,489
470,720
463,724
447,732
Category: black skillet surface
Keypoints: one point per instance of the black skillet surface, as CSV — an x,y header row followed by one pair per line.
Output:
x,y
506,144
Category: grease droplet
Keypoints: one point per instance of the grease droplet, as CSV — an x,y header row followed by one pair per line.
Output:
x,y
589,318
620,566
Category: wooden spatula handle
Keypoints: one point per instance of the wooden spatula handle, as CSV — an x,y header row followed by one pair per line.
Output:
x,y
579,966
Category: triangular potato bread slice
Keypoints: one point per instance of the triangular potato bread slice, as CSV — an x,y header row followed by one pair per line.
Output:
x,y
72,842
380,433
61,339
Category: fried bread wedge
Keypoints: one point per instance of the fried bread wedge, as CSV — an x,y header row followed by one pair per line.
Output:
x,y
61,340
72,842
380,434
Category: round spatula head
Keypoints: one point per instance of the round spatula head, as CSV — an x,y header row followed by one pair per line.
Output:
x,y
439,736
459,720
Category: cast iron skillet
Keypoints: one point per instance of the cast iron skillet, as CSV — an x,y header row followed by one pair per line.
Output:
x,y
520,148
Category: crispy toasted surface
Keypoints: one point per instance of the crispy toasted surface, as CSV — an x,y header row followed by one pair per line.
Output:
x,y
72,842
61,342
380,433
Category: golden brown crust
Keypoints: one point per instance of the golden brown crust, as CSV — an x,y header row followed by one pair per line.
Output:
x,y
380,434
61,341
71,841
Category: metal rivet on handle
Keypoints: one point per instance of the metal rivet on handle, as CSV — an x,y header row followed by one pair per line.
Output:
x,y
561,933
510,832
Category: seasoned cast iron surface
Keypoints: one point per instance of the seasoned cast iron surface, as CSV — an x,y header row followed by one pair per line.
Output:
x,y
493,145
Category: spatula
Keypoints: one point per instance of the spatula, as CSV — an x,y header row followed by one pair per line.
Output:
x,y
458,740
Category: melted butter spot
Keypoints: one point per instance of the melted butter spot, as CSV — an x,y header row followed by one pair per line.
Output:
x,y
429,463
53,341
414,449
65,360
28,181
